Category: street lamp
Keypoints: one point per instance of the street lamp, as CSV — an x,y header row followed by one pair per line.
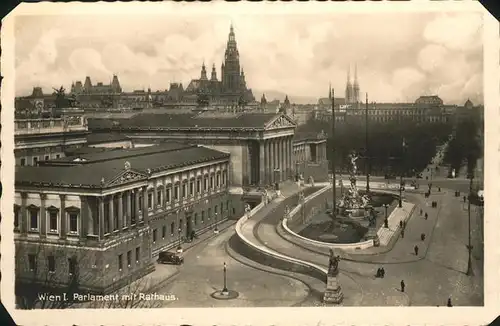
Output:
x,y
224,290
386,222
469,246
216,229
403,147
179,247
401,192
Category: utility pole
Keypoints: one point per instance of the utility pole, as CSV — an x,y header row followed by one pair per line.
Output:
x,y
367,151
469,246
334,208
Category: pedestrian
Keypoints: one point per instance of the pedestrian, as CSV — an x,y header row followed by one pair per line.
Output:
x,y
426,215
439,189
422,237
379,272
382,272
402,285
448,304
401,224
465,199
421,211
416,250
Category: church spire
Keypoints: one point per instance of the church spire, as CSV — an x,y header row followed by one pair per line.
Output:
x,y
330,90
348,88
214,73
203,75
355,91
356,74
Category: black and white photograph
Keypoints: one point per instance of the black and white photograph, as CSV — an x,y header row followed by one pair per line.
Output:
x,y
163,156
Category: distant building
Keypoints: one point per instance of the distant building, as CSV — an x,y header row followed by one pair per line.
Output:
x,y
227,92
37,139
425,109
232,89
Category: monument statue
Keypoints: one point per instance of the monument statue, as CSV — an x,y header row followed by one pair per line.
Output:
x,y
333,266
352,203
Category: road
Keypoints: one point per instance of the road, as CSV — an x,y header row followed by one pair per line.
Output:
x,y
431,280
202,274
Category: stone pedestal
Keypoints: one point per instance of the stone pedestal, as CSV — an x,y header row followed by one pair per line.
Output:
x,y
333,293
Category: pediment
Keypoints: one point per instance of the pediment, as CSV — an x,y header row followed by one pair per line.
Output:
x,y
280,122
126,177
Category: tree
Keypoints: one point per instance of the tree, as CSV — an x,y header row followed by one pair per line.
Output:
x,y
42,286
465,145
52,287
203,99
385,143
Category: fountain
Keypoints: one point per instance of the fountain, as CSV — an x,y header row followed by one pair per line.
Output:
x,y
353,204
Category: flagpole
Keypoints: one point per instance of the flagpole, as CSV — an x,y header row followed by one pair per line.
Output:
x,y
334,180
367,151
401,174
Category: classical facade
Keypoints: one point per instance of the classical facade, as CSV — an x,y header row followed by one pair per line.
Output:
x,y
260,144
105,216
310,155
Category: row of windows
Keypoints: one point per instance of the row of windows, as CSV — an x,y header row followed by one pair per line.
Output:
x,y
196,221
129,258
34,160
184,189
52,215
51,264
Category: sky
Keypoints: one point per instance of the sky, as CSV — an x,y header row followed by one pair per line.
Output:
x,y
399,57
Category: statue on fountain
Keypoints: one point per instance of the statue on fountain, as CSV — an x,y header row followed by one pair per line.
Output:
x,y
352,203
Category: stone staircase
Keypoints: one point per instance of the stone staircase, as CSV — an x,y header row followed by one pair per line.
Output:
x,y
399,214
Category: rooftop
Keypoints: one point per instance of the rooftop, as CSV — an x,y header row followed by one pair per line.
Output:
x,y
99,138
102,170
239,120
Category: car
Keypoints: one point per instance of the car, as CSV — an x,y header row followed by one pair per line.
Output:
x,y
167,257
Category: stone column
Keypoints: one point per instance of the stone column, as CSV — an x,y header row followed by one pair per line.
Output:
x,y
268,162
120,211
287,158
262,163
128,198
145,212
100,201
63,216
43,216
111,213
83,221
92,217
164,194
274,156
23,223
292,156
153,197
283,158
137,210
